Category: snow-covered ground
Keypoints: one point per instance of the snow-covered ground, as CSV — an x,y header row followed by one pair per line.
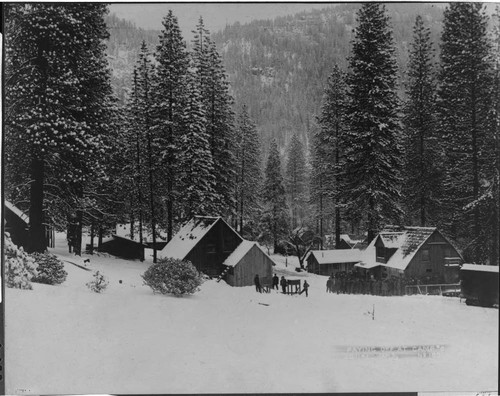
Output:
x,y
67,339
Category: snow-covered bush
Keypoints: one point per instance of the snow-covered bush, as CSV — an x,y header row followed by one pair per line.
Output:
x,y
20,267
99,283
50,269
172,276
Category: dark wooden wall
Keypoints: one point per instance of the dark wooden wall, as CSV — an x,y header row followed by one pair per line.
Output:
x,y
209,254
433,269
253,263
17,228
123,248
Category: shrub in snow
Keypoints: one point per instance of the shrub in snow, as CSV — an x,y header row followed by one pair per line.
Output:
x,y
20,267
50,269
99,283
172,276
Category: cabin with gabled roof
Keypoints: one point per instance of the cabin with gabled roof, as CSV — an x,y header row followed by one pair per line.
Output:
x,y
329,262
420,253
204,241
248,260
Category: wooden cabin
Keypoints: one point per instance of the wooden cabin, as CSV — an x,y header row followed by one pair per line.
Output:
x,y
204,241
246,261
346,242
420,253
328,262
16,223
479,284
123,247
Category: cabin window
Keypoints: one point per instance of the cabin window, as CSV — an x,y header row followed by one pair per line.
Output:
x,y
425,255
428,270
230,271
211,249
380,251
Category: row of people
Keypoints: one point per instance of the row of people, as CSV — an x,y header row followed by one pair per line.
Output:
x,y
352,283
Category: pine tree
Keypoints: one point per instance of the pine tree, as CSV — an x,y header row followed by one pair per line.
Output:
x,y
248,173
143,114
169,97
57,101
329,141
296,176
220,118
464,103
195,168
373,151
275,217
422,158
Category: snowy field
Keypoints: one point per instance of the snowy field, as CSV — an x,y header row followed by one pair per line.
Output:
x,y
67,339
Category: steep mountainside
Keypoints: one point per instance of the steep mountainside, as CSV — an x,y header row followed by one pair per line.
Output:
x,y
124,42
279,67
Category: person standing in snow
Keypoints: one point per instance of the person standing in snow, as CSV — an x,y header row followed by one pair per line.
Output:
x,y
283,284
276,282
258,287
305,287
329,285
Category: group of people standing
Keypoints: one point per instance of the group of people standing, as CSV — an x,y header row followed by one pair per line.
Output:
x,y
277,282
352,283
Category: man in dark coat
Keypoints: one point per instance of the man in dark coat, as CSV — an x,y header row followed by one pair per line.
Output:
x,y
283,284
258,287
276,282
305,287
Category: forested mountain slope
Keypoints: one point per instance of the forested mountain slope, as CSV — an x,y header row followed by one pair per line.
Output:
x,y
278,68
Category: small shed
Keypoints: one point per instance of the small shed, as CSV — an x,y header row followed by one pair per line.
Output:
x,y
248,260
346,242
479,284
328,262
123,247
204,241
16,223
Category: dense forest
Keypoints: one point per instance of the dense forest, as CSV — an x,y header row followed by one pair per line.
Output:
x,y
327,122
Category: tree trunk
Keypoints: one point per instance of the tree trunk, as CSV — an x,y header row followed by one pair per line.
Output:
x,y
92,231
99,238
38,241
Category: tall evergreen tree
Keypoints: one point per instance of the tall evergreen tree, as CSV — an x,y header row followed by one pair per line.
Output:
x,y
169,97
296,176
275,215
57,100
422,156
373,150
248,171
195,167
144,123
464,104
220,118
329,141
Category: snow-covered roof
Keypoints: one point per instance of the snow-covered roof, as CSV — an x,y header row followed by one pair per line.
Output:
x,y
189,236
369,265
123,230
336,256
240,252
482,268
17,211
351,242
407,242
393,240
